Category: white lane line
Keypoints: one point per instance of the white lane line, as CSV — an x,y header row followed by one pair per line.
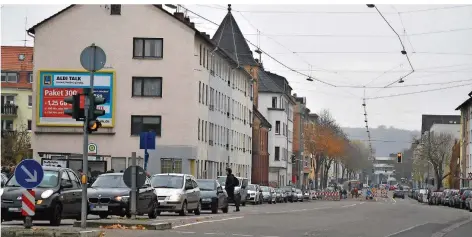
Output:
x,y
448,229
210,221
361,203
185,218
184,232
404,230
349,205
242,235
269,236
214,233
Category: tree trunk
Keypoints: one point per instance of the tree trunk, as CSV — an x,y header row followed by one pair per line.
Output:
x,y
317,170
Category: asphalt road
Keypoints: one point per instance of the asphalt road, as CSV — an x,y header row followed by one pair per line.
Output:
x,y
348,218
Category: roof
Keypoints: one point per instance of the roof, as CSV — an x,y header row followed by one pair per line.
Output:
x,y
427,120
10,61
267,84
465,103
229,37
258,114
202,35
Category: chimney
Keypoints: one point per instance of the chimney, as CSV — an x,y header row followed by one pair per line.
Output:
x,y
208,36
257,60
187,19
294,94
179,15
192,24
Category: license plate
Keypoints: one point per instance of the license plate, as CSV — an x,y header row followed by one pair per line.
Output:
x,y
98,208
14,209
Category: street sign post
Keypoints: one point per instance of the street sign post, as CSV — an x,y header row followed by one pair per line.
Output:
x,y
92,59
147,141
140,176
28,174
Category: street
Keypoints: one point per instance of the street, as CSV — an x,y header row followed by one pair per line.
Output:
x,y
384,217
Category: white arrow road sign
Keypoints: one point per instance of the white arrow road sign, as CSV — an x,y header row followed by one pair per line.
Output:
x,y
32,178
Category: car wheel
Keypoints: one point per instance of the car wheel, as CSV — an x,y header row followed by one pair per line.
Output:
x,y
184,211
225,209
153,213
199,209
56,218
103,215
128,215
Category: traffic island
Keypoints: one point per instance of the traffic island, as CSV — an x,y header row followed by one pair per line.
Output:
x,y
126,224
49,232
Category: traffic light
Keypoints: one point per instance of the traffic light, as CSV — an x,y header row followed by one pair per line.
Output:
x,y
93,123
399,157
76,112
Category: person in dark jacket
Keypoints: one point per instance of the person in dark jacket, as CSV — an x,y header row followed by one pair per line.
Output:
x,y
231,183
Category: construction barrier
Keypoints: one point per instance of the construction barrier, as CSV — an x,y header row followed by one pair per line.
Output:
x,y
330,196
384,193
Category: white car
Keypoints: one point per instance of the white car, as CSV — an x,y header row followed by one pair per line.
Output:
x,y
177,193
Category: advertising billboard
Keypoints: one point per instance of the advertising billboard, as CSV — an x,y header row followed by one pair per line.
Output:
x,y
55,85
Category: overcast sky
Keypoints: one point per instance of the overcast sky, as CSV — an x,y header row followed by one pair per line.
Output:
x,y
344,45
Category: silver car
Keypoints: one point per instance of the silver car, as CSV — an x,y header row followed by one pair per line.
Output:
x,y
268,194
239,191
177,193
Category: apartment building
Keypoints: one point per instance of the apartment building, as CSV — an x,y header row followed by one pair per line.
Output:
x,y
161,75
17,79
466,141
276,104
229,38
301,162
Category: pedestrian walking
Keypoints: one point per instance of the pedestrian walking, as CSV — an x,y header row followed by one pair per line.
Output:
x,y
231,183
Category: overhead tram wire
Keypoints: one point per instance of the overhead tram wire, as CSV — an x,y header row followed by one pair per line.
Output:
x,y
417,92
404,52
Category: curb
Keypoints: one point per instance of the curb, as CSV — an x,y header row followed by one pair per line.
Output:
x,y
20,232
128,223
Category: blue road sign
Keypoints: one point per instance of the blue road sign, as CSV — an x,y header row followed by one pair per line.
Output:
x,y
29,173
147,140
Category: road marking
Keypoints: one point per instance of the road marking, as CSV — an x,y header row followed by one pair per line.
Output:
x,y
184,232
210,221
361,203
448,229
269,236
214,233
349,205
404,230
242,235
185,218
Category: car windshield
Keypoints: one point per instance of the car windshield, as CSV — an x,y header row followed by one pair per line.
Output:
x,y
251,187
109,181
265,189
167,181
50,180
206,185
222,180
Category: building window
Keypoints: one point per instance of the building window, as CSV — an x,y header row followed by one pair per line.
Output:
x,y
201,54
11,77
277,153
147,86
277,127
148,47
29,125
115,9
199,129
30,100
171,165
30,77
274,102
145,123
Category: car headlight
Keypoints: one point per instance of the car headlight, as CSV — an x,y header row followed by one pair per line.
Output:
x,y
122,198
174,198
47,193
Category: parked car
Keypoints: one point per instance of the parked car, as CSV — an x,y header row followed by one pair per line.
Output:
x,y
240,191
299,195
109,195
213,196
398,194
254,194
177,193
468,201
267,194
464,193
58,197
282,196
291,194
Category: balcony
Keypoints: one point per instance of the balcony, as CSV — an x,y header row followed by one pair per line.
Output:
x,y
9,110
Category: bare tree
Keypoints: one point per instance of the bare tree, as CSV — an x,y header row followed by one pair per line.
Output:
x,y
16,146
436,149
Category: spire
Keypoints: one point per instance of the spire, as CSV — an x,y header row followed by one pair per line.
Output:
x,y
229,37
